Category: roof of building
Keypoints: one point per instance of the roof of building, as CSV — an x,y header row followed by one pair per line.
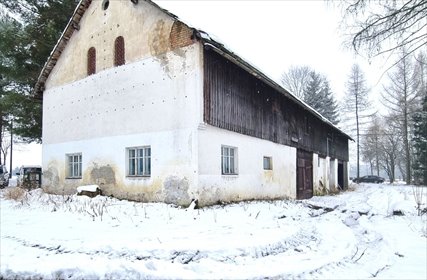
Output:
x,y
204,37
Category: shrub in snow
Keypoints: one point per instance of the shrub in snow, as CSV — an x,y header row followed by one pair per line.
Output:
x,y
15,193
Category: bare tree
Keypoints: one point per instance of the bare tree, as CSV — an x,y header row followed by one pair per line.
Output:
x,y
356,104
370,147
4,145
400,97
389,150
379,27
296,79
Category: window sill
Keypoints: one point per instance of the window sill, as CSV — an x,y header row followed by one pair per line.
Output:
x,y
73,178
230,176
138,176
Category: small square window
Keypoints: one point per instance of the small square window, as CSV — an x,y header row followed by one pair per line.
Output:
x,y
268,163
139,161
228,160
74,166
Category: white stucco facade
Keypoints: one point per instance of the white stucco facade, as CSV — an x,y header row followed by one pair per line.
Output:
x,y
135,105
251,180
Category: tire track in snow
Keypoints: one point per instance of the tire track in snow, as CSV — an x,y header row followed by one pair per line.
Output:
x,y
289,244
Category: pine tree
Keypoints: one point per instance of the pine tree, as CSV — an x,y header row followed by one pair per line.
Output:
x,y
420,144
25,45
319,96
330,106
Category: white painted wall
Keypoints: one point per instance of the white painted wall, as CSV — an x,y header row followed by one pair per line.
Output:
x,y
252,182
141,96
333,174
138,104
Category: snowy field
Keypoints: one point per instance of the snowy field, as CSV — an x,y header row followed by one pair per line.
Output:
x,y
370,231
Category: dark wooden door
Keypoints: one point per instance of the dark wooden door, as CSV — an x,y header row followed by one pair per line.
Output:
x,y
304,174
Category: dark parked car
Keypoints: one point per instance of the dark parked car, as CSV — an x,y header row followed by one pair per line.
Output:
x,y
4,176
369,179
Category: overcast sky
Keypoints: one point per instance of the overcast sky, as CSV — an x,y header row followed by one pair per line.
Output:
x,y
271,35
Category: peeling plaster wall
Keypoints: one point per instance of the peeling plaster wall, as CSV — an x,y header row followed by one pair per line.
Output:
x,y
145,28
173,174
155,101
252,182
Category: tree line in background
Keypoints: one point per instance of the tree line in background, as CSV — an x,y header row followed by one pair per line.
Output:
x,y
396,139
388,141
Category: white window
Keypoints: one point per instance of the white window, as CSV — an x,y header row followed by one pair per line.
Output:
x,y
139,161
74,163
228,160
268,163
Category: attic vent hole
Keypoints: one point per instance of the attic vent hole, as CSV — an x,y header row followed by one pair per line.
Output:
x,y
105,4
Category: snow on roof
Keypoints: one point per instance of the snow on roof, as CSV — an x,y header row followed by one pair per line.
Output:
x,y
31,166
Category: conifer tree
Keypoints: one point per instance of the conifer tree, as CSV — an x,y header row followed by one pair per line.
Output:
x,y
29,31
420,143
318,95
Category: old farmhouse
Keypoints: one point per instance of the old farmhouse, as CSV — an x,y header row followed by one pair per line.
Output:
x,y
151,109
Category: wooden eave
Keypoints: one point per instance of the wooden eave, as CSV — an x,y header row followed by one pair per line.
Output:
x,y
227,54
72,25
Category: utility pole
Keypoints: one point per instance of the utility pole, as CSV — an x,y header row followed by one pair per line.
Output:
x,y
11,148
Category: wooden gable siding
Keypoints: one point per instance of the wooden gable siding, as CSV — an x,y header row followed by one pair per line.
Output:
x,y
237,101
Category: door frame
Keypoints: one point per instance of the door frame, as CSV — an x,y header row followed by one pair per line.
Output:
x,y
304,186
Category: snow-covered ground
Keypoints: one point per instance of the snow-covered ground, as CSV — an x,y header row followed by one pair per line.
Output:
x,y
370,231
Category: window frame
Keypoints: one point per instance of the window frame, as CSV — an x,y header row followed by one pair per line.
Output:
x,y
119,51
71,164
91,61
270,163
137,158
230,160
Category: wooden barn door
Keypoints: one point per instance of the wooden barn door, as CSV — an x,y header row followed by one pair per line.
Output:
x,y
304,174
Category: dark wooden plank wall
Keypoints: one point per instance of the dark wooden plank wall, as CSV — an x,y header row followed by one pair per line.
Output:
x,y
237,101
